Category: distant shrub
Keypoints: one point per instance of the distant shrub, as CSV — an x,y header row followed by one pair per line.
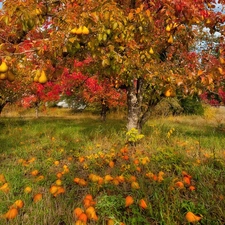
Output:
x,y
192,105
216,98
167,107
209,112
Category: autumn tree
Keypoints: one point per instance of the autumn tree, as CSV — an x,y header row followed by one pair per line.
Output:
x,y
85,89
40,94
146,47
10,89
9,93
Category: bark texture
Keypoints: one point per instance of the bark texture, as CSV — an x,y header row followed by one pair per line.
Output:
x,y
140,105
134,102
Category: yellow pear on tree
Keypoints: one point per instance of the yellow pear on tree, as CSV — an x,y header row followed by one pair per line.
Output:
x,y
168,28
43,78
3,76
3,67
37,75
38,11
10,76
79,30
151,51
170,40
85,30
168,92
73,31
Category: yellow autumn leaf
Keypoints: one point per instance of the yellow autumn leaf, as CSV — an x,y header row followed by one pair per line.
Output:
x,y
72,39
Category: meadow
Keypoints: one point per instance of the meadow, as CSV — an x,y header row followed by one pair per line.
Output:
x,y
63,170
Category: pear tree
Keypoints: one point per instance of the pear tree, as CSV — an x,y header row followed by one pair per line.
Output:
x,y
145,47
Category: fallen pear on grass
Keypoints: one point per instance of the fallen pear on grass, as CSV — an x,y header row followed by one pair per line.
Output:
x,y
18,204
11,214
192,218
5,188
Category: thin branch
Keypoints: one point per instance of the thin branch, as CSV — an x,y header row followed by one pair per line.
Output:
x,y
5,40
19,53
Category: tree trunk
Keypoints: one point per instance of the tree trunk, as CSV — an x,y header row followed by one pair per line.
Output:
x,y
3,102
134,102
104,110
2,105
132,4
36,107
137,114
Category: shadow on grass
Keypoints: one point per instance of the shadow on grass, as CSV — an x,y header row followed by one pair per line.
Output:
x,y
66,130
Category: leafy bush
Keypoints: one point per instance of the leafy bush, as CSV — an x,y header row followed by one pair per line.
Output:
x,y
192,105
168,106
133,136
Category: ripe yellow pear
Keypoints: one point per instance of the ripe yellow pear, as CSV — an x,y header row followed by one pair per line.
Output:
x,y
18,204
10,76
11,214
220,70
27,190
79,30
151,51
168,28
5,188
36,79
3,76
3,67
43,78
37,75
85,30
73,31
38,11
168,92
222,61
170,40
192,218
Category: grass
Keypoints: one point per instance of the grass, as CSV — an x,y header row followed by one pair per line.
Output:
x,y
82,147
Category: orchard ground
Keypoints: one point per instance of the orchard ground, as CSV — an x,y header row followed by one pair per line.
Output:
x,y
56,162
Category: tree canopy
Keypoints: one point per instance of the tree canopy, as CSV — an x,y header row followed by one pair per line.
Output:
x,y
147,48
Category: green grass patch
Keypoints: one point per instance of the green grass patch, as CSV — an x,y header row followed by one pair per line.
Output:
x,y
92,157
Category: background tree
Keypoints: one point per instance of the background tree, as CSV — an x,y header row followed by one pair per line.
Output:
x,y
146,46
11,88
40,94
9,93
85,90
